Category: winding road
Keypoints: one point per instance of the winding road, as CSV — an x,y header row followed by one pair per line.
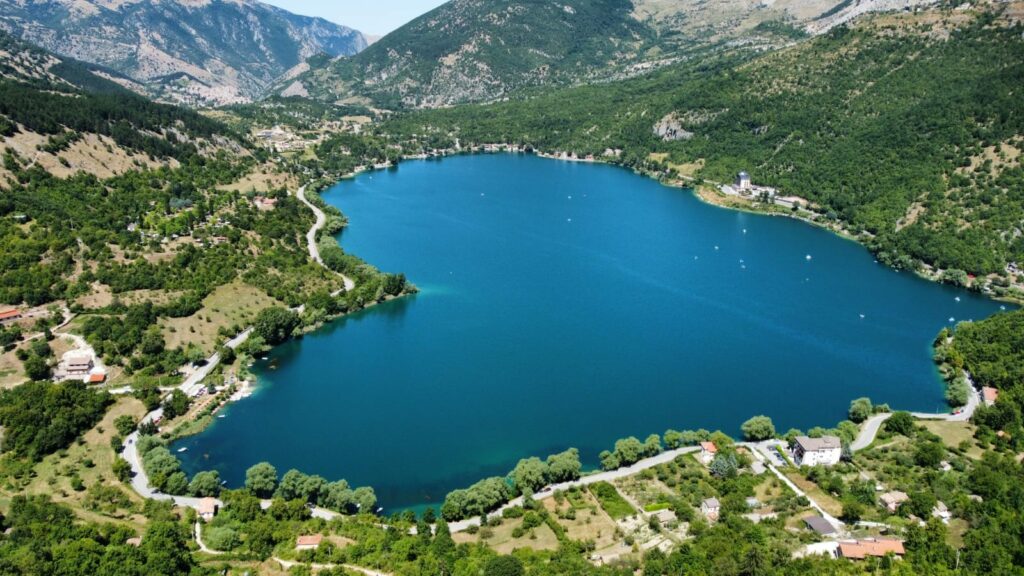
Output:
x,y
321,220
194,382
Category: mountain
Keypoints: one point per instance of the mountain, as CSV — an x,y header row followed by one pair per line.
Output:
x,y
66,116
190,51
485,50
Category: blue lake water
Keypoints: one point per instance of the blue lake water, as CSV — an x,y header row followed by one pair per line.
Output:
x,y
567,305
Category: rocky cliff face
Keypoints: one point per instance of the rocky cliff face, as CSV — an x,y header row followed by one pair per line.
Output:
x,y
191,51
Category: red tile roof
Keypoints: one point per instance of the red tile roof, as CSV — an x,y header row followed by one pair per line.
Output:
x,y
863,548
989,394
9,314
97,378
313,540
709,447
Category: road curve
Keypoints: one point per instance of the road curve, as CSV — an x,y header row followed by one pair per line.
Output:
x,y
321,220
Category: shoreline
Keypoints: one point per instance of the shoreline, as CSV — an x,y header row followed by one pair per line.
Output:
x,y
702,193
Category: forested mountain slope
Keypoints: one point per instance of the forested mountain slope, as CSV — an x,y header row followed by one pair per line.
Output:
x,y
206,51
907,127
66,116
483,50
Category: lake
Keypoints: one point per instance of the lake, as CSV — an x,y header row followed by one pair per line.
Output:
x,y
567,304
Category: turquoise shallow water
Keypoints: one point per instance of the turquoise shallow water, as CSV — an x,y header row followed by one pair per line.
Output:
x,y
569,305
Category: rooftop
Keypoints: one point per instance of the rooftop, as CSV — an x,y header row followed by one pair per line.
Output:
x,y
313,540
711,503
709,447
817,444
820,525
860,549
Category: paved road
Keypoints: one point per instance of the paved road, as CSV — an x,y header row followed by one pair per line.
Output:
x,y
287,565
606,476
321,220
869,430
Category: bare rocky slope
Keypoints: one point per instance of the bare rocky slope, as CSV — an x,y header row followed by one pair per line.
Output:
x,y
187,51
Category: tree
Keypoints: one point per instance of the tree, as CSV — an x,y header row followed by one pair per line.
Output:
x,y
36,368
125,424
275,324
652,446
261,480
504,566
724,465
860,409
564,466
853,510
928,454
529,473
758,428
900,423
629,450
176,405
609,460
205,483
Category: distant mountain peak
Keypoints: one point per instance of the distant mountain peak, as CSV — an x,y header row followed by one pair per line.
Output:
x,y
190,51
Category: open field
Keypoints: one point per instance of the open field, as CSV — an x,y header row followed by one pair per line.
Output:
x,y
502,541
11,372
235,303
262,179
825,500
953,434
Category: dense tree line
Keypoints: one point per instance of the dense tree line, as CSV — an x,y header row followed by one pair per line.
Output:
x,y
40,418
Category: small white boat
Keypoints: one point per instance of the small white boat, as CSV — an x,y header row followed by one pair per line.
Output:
x,y
951,319
808,257
861,316
716,247
182,449
1002,308
220,416
957,298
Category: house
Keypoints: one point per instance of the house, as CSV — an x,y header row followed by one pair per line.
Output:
x,y
813,451
941,511
893,500
264,204
207,508
10,315
78,364
97,377
308,542
989,395
875,547
708,450
136,541
820,525
711,508
743,182
665,517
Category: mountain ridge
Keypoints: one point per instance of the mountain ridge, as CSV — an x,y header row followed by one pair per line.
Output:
x,y
228,50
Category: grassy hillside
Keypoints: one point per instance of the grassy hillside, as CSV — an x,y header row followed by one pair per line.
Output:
x,y
906,127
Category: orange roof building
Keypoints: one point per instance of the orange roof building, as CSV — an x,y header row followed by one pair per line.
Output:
x,y
97,378
989,395
12,314
308,542
861,549
709,447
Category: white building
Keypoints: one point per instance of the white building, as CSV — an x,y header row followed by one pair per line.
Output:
x,y
813,451
711,508
743,181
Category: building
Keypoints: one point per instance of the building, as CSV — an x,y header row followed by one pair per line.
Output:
x,y
989,395
874,547
743,182
10,315
264,204
813,451
207,508
893,500
711,508
708,450
78,364
941,511
665,517
308,542
819,525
